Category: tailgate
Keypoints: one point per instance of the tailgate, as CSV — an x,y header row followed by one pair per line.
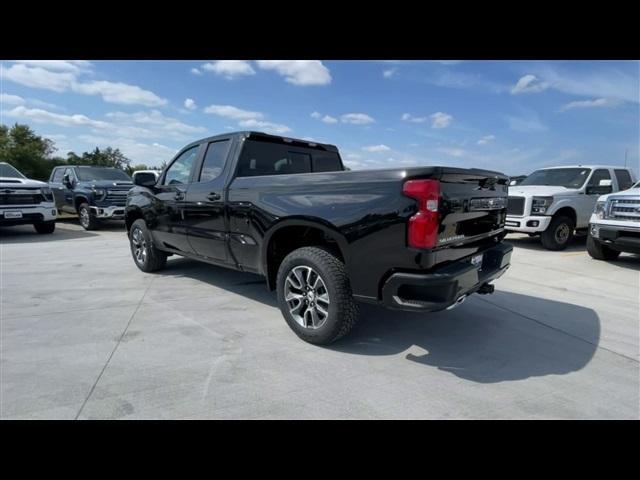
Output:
x,y
473,205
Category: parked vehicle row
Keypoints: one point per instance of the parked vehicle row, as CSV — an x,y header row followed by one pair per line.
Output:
x,y
324,237
555,202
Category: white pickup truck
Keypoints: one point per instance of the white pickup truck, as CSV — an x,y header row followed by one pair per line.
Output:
x,y
614,226
25,202
555,202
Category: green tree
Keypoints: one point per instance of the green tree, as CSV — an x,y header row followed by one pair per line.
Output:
x,y
107,157
28,152
135,168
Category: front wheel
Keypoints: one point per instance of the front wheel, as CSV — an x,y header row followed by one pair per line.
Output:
x,y
88,221
45,227
599,251
314,294
558,234
146,256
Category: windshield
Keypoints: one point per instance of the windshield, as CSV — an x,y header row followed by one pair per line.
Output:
x,y
7,170
95,173
558,177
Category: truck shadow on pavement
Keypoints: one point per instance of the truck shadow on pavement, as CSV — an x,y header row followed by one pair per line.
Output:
x,y
488,339
577,244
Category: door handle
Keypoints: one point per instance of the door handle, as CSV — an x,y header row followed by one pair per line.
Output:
x,y
213,196
179,196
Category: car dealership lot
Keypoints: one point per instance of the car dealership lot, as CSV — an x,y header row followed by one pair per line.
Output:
x,y
85,334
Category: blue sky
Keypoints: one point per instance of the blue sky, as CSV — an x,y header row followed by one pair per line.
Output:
x,y
512,116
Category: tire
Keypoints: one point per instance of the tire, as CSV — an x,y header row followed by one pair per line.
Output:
x,y
45,227
558,234
145,255
599,251
336,312
88,221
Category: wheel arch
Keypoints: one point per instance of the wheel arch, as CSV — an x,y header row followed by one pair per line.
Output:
x,y
292,233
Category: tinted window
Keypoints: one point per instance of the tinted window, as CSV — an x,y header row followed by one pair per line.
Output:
x,y
559,177
96,173
57,175
326,162
598,175
214,160
7,170
180,170
271,158
624,179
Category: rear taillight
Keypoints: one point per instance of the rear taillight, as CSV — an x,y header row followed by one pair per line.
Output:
x,y
423,226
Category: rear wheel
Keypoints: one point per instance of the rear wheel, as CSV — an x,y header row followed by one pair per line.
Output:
x,y
599,251
146,256
558,234
45,227
87,218
314,294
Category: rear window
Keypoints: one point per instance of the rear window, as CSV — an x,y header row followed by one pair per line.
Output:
x,y
270,158
624,179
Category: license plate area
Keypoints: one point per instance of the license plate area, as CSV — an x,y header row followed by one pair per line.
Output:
x,y
12,215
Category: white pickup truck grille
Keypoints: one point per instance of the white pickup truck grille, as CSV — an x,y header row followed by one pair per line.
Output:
x,y
624,209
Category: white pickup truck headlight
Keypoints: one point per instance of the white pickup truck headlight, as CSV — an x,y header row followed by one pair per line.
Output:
x,y
600,209
47,193
541,204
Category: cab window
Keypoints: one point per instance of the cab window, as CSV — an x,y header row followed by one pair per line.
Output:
x,y
180,170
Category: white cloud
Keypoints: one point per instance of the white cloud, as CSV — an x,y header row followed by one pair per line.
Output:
x,y
247,118
37,77
407,117
7,99
156,123
229,69
195,71
599,81
329,119
454,152
299,72
529,84
121,93
74,66
234,113
389,73
441,120
316,115
42,116
356,118
376,148
598,102
268,127
190,104
486,139
62,80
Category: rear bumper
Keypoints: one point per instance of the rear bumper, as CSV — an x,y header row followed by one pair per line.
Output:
x,y
30,214
528,224
441,288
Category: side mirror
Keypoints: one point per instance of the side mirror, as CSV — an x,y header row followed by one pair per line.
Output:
x,y
67,181
144,179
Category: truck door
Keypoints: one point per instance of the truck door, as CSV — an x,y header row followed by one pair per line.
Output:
x,y
169,229
204,210
57,187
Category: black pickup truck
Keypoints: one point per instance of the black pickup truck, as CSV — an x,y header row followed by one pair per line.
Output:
x,y
418,239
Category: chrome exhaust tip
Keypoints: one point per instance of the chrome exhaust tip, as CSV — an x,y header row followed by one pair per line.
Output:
x,y
459,301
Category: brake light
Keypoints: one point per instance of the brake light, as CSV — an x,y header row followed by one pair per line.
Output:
x,y
423,226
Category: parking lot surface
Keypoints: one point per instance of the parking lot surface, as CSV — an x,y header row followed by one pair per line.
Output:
x,y
85,334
